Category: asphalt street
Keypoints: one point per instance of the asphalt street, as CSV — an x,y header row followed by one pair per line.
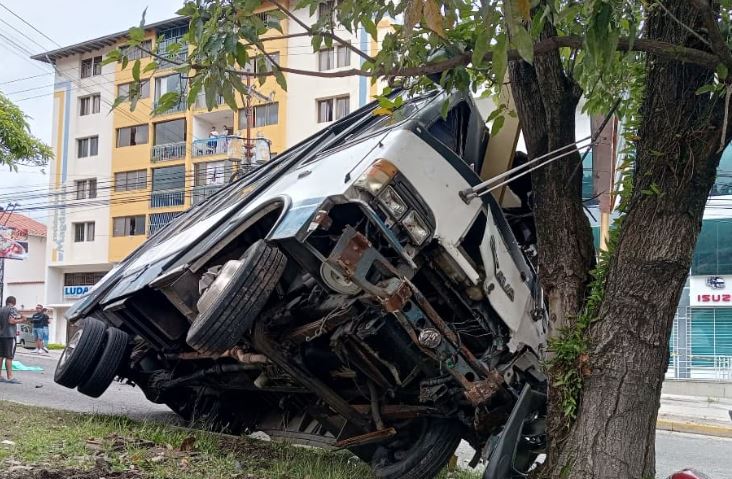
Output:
x,y
674,450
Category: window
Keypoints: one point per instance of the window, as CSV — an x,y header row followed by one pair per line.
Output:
x,y
170,132
268,16
713,251
124,90
326,10
129,226
91,67
331,109
132,135
169,178
86,189
330,58
86,279
452,131
130,180
255,65
137,53
167,84
211,173
87,147
90,104
263,115
326,59
84,232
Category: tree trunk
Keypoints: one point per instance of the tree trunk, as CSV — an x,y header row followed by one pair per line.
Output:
x,y
546,101
614,433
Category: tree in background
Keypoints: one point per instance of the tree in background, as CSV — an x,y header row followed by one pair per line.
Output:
x,y
664,62
17,145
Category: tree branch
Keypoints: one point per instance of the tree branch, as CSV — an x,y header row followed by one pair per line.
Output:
x,y
332,35
709,19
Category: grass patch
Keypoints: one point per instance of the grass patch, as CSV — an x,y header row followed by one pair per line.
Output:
x,y
62,441
55,346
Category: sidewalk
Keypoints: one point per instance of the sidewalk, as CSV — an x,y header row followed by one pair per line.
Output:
x,y
21,353
696,415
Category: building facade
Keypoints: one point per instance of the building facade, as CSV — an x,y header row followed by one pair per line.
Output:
x,y
120,176
25,279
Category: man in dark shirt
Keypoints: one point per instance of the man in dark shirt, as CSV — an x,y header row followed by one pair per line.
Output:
x,y
39,320
9,317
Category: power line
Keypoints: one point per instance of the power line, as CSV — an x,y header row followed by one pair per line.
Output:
x,y
34,28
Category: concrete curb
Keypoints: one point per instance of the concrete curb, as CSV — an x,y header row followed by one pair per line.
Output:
x,y
706,429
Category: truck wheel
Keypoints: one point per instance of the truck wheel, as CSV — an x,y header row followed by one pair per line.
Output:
x,y
235,304
81,353
421,451
113,354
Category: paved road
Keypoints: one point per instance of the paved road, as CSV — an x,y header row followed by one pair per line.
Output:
x,y
674,451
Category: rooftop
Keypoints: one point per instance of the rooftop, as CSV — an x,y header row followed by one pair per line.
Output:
x,y
16,220
101,42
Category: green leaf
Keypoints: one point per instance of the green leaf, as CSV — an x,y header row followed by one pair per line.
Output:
x,y
125,61
445,108
500,57
705,89
112,57
722,71
194,88
482,46
523,42
537,23
137,36
136,71
280,78
142,20
187,10
150,67
316,41
229,98
209,89
370,27
241,55
497,125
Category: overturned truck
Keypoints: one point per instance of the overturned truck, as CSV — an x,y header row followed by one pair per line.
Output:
x,y
343,295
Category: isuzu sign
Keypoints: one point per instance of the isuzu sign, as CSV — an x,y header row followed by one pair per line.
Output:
x,y
710,291
73,292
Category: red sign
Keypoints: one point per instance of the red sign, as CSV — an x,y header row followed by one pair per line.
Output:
x,y
714,298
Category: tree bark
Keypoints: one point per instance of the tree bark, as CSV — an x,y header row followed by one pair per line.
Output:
x,y
614,433
546,102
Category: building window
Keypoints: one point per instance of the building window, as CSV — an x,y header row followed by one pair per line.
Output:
x,y
129,226
85,279
170,132
713,250
86,189
91,67
330,109
167,84
263,115
87,147
268,16
255,65
211,173
83,232
330,58
159,221
326,10
130,180
90,104
123,89
132,135
136,52
168,186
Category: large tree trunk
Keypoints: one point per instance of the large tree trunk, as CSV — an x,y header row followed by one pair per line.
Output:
x,y
614,433
546,101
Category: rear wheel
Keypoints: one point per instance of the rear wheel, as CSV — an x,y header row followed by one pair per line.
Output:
x,y
113,354
235,298
420,450
81,353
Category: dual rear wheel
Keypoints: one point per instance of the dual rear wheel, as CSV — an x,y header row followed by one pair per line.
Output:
x,y
92,358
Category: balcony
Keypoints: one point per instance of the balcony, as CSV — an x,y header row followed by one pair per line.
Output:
x,y
168,152
167,198
232,147
159,221
202,193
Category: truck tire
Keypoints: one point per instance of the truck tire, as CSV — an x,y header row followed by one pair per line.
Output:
x,y
113,354
81,353
236,306
421,454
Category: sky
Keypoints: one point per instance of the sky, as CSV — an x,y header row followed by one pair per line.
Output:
x,y
65,22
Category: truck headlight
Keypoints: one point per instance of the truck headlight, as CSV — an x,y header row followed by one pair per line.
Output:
x,y
391,200
376,177
416,227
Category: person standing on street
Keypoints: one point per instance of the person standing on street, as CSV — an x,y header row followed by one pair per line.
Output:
x,y
39,321
9,317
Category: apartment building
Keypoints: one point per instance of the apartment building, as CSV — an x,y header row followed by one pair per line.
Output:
x,y
120,176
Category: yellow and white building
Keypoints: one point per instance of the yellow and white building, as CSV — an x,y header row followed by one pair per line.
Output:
x,y
121,175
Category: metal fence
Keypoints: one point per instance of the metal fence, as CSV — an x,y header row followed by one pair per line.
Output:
x,y
168,152
167,198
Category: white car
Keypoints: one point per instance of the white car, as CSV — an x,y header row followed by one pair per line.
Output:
x,y
344,294
24,336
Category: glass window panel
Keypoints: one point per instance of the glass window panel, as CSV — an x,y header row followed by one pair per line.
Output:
x,y
170,132
168,178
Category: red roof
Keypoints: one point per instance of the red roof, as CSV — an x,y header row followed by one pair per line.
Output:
x,y
17,220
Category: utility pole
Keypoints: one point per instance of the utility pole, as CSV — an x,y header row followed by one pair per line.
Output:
x,y
248,154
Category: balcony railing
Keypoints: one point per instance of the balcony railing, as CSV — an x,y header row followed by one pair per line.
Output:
x,y
168,152
231,146
201,193
159,221
167,198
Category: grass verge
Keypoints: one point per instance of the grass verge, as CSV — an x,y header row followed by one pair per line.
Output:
x,y
62,444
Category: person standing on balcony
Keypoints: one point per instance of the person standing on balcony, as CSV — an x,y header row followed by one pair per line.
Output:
x,y
228,131
213,139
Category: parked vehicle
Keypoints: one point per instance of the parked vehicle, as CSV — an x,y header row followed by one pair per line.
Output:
x,y
342,295
24,336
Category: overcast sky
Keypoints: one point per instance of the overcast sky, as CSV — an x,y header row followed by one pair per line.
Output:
x,y
66,22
